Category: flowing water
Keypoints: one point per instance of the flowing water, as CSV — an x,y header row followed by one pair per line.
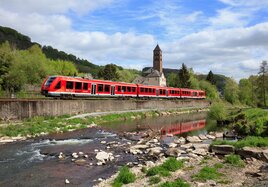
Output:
x,y
35,162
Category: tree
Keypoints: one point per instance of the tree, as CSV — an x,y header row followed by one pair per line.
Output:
x,y
231,91
211,90
184,77
173,80
6,60
109,72
245,92
210,78
263,80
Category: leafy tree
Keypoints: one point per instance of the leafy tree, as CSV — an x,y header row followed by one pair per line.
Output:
x,y
211,90
109,72
6,60
231,91
127,75
173,80
60,67
184,77
210,78
263,81
194,82
245,92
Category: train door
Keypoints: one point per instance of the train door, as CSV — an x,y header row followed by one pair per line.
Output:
x,y
93,89
112,90
167,93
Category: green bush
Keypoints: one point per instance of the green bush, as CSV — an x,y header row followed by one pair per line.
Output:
x,y
234,160
218,111
176,183
124,177
208,173
154,180
157,170
172,164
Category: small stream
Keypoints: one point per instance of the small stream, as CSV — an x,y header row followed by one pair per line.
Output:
x,y
35,162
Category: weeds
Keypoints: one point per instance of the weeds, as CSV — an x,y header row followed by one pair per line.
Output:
x,y
154,180
176,183
208,173
234,160
124,177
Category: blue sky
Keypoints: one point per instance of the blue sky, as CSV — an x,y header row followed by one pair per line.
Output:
x,y
226,36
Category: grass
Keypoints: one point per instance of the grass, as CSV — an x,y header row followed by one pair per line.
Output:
x,y
124,177
176,183
208,173
250,141
154,180
170,165
234,160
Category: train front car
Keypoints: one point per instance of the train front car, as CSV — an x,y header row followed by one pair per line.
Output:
x,y
49,84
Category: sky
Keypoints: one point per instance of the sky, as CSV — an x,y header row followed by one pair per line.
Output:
x,y
229,37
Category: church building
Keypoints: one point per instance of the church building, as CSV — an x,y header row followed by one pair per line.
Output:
x,y
154,76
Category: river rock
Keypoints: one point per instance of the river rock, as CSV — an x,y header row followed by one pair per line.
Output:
x,y
74,155
80,161
255,152
103,142
172,145
202,137
202,152
103,156
209,136
187,146
193,139
149,164
154,151
218,134
67,181
173,152
61,155
223,149
201,146
140,146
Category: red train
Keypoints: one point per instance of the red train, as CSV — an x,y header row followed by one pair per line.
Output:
x,y
63,86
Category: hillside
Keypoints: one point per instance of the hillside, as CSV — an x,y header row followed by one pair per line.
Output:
x,y
23,42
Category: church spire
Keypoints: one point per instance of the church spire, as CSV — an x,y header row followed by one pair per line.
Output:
x,y
157,59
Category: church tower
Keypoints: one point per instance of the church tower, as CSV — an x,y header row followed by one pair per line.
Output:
x,y
157,59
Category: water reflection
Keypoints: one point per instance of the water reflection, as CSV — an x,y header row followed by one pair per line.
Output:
x,y
174,125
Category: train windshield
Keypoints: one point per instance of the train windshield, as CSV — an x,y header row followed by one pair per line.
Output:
x,y
49,81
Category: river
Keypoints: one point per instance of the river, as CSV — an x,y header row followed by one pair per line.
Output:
x,y
35,162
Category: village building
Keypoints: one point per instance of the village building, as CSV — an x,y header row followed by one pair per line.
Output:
x,y
153,76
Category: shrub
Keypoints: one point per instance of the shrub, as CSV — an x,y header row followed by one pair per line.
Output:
x,y
234,160
172,164
157,170
154,180
207,173
124,177
176,183
218,111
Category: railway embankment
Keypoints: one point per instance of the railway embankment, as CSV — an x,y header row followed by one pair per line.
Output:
x,y
21,109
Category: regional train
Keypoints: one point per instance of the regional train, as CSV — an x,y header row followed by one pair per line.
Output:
x,y
69,87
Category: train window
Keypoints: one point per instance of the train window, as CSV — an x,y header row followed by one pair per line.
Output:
x,y
119,88
128,89
146,90
153,90
85,86
106,88
133,89
49,81
58,85
150,90
78,85
161,92
124,88
194,93
142,89
69,85
100,87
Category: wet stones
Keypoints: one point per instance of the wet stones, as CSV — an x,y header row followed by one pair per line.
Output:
x,y
103,156
193,139
223,149
255,152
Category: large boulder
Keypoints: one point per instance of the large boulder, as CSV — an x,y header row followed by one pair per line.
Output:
x,y
154,151
223,149
255,152
193,139
104,156
173,152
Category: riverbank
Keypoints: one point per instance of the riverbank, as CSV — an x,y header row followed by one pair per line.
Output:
x,y
40,126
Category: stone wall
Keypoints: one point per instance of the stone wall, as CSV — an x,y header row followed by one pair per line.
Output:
x,y
19,109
